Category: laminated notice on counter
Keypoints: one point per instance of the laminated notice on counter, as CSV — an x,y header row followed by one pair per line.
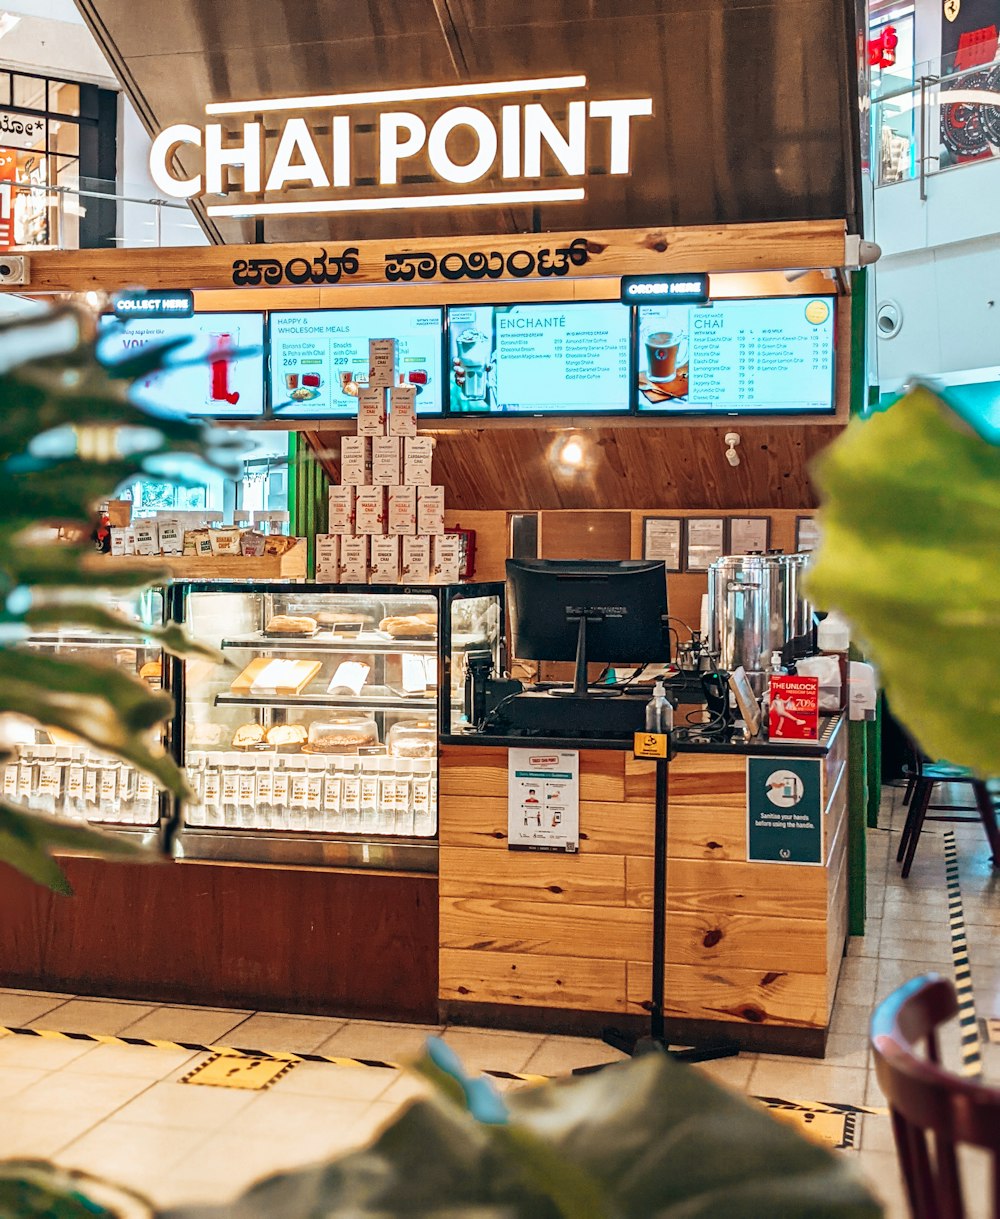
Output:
x,y
543,800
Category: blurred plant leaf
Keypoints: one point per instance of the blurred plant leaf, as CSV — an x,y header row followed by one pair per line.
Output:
x,y
96,702
910,551
69,566
172,638
658,1139
28,838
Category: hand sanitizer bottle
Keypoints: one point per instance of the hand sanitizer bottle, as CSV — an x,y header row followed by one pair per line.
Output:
x,y
659,710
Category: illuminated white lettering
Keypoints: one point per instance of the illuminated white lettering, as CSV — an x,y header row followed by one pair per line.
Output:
x,y
570,150
246,155
296,139
510,126
437,145
341,136
621,114
159,157
391,148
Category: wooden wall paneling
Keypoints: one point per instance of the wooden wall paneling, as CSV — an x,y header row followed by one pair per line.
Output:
x,y
289,939
593,287
605,828
584,535
564,880
747,941
708,885
735,247
535,981
742,995
492,540
635,465
482,771
602,933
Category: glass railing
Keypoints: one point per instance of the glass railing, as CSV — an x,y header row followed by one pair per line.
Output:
x,y
91,213
936,122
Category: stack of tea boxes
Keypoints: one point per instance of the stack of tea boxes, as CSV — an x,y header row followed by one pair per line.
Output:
x,y
387,516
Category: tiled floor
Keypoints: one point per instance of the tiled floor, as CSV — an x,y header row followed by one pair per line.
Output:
x,y
121,1112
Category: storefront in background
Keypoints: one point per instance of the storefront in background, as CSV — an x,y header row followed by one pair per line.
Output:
x,y
57,138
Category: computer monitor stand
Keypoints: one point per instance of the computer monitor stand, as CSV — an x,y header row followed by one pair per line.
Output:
x,y
581,686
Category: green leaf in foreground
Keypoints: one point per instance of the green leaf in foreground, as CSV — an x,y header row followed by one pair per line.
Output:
x,y
659,1140
96,702
27,840
911,554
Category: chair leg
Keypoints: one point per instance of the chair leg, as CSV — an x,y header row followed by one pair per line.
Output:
x,y
911,815
987,812
921,800
911,783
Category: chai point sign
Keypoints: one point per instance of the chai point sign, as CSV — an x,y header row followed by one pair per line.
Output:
x,y
321,140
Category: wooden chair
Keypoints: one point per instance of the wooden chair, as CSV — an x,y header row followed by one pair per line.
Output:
x,y
926,1100
923,777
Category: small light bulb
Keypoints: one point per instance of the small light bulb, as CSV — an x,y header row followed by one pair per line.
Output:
x,y
572,454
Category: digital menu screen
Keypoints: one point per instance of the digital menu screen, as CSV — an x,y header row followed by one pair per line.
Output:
x,y
319,358
217,373
769,355
539,359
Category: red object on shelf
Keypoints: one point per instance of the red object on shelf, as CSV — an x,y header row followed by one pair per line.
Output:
x,y
793,710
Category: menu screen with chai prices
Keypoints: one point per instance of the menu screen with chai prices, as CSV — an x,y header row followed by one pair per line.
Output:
x,y
319,358
539,359
217,372
769,355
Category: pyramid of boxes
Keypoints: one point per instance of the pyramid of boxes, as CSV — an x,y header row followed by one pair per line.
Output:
x,y
386,521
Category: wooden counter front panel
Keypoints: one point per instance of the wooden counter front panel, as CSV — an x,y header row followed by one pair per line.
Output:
x,y
745,942
230,935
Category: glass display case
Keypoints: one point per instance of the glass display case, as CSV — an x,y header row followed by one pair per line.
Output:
x,y
312,738
54,772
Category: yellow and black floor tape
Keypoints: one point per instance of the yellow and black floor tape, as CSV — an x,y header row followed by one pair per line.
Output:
x,y
244,1052
972,1046
829,1122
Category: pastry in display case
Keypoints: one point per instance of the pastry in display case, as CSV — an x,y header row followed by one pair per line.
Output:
x,y
54,772
315,739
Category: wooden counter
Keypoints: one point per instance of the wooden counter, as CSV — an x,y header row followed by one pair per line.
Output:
x,y
541,940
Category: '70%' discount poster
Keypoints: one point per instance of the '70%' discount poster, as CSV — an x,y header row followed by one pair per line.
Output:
x,y
543,800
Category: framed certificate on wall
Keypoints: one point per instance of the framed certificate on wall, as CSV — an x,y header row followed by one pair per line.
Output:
x,y
749,534
706,541
806,534
663,538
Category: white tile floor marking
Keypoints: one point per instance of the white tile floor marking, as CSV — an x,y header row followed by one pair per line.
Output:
x,y
107,1101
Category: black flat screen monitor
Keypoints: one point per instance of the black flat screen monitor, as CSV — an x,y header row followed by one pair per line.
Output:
x,y
770,355
539,359
216,373
319,358
588,610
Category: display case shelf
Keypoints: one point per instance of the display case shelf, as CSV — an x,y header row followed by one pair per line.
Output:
x,y
80,640
397,703
366,642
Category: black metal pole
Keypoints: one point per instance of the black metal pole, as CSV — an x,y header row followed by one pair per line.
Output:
x,y
659,898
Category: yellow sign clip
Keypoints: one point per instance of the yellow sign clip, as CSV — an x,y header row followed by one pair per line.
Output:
x,y
650,745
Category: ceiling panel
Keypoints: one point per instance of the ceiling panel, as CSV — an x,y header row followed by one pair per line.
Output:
x,y
755,101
